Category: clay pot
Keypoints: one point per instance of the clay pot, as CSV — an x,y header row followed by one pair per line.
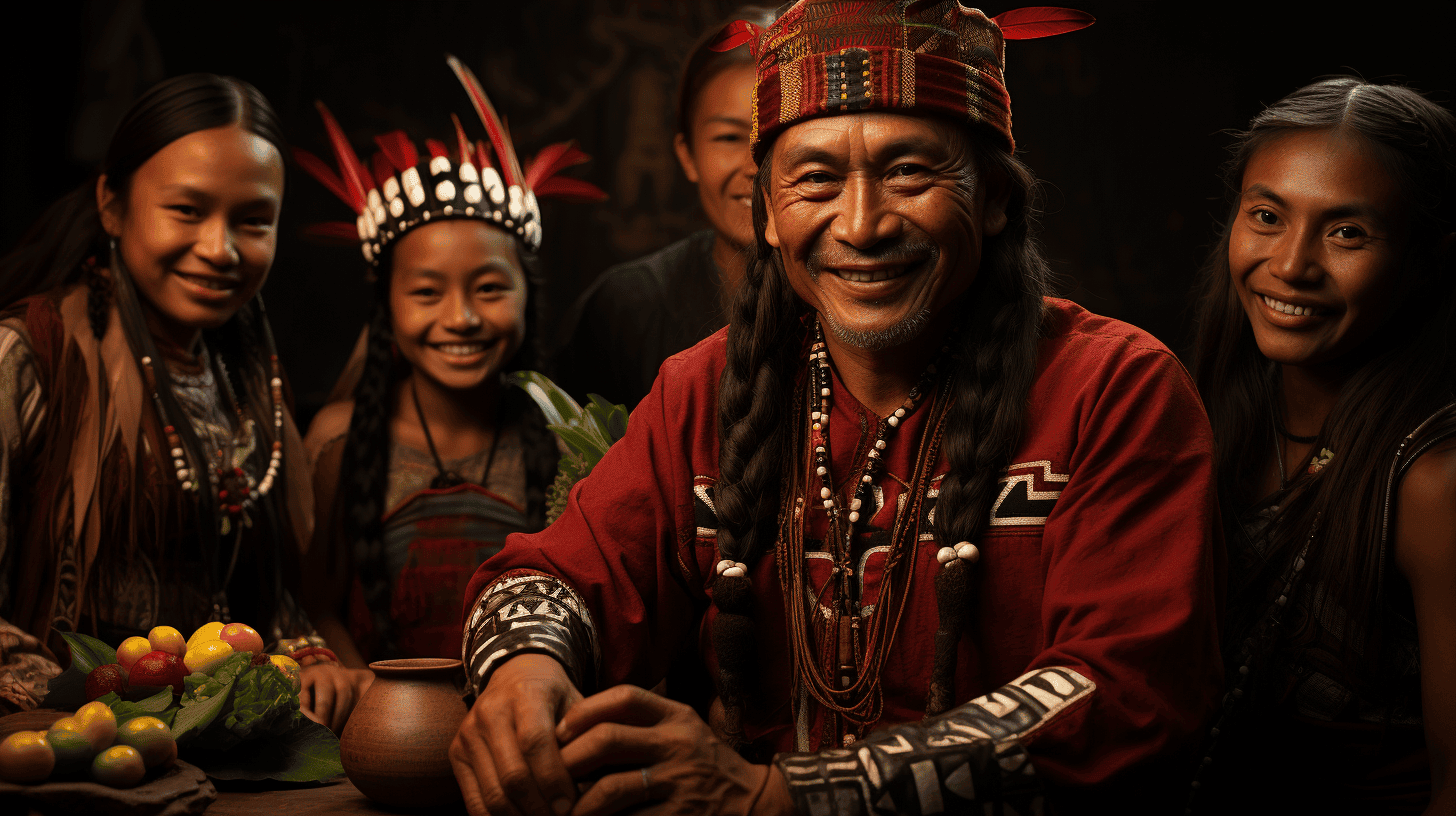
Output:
x,y
394,748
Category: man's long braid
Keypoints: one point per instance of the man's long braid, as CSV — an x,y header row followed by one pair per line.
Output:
x,y
755,406
995,368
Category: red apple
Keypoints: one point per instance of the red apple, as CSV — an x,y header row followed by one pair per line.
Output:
x,y
105,679
242,637
159,669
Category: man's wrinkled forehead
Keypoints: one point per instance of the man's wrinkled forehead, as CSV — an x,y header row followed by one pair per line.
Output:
x,y
876,137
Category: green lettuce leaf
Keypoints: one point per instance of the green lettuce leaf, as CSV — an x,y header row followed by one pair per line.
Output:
x,y
305,752
263,703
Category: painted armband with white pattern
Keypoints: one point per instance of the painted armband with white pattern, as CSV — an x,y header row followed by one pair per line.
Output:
x,y
969,756
530,613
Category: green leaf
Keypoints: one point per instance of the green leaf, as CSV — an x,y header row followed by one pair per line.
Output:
x,y
307,752
193,717
556,404
580,443
87,652
617,422
152,706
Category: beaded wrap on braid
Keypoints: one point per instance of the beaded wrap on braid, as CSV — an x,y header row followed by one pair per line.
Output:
x,y
993,374
764,331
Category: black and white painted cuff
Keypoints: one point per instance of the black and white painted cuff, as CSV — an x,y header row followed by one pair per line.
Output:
x,y
530,613
969,756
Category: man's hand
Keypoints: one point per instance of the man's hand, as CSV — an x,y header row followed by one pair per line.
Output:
x,y
505,755
330,692
678,765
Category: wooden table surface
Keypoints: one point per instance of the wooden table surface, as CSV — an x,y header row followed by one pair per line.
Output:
x,y
323,800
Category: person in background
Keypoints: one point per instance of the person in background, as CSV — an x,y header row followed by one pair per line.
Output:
x,y
637,314
433,458
150,472
1326,354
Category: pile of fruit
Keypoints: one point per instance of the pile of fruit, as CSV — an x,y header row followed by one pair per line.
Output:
x,y
212,690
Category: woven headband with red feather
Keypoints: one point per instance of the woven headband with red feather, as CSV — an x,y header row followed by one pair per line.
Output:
x,y
822,57
401,190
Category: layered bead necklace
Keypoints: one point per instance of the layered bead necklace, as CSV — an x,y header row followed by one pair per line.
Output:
x,y
235,491
851,690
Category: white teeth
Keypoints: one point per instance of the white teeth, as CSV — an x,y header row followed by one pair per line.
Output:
x,y
461,349
209,283
868,277
1288,308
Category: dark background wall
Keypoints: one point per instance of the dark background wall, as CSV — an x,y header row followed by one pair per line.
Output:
x,y
1123,120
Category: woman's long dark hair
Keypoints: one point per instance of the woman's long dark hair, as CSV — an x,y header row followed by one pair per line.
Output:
x,y
53,253
996,365
68,245
1403,373
364,474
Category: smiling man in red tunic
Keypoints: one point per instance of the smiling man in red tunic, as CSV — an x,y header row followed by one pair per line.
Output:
x,y
941,542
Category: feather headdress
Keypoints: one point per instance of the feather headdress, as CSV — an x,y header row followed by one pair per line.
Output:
x,y
401,189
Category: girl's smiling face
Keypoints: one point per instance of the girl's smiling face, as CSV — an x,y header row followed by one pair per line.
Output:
x,y
1316,245
457,300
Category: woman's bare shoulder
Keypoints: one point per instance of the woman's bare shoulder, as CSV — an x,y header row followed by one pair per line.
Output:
x,y
1426,520
329,425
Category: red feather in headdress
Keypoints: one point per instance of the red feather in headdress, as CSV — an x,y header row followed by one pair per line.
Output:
x,y
505,154
463,142
401,151
735,34
316,167
551,160
1040,21
542,178
437,148
356,181
383,168
571,189
333,232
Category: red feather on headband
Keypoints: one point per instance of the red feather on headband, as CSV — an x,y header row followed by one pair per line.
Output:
x,y
396,145
542,178
505,154
355,179
735,34
1040,21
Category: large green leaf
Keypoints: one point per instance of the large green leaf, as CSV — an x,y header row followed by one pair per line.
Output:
x,y
156,705
193,719
557,405
308,752
580,443
87,652
587,432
